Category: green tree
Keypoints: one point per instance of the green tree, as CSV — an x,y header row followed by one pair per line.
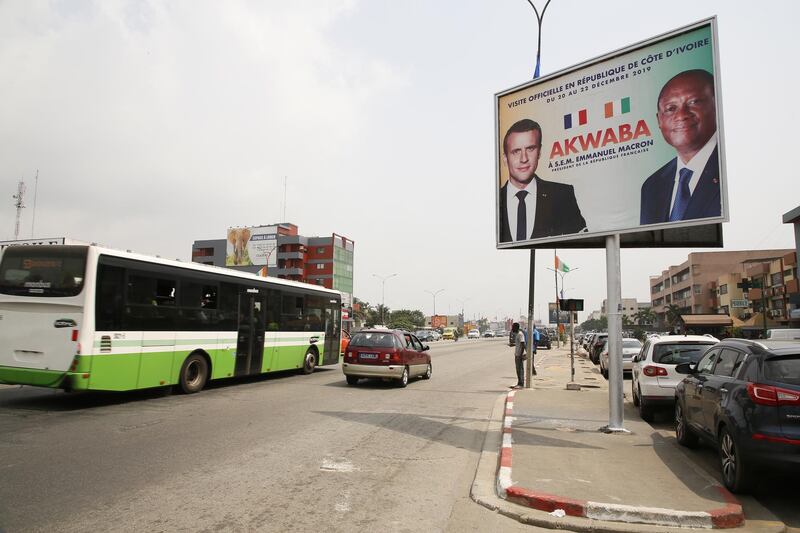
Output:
x,y
407,319
645,316
673,313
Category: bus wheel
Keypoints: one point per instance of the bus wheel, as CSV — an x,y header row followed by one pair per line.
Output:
x,y
194,374
310,362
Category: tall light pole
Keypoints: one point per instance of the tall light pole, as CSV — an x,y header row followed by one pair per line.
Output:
x,y
462,309
383,292
561,274
434,293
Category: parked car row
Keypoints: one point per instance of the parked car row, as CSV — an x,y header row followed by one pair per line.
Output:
x,y
740,396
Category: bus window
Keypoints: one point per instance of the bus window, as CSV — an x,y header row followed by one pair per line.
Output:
x,y
47,271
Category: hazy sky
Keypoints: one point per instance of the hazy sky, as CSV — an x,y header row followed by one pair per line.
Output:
x,y
153,124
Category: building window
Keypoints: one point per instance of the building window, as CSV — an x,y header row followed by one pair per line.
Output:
x,y
723,289
320,266
320,250
698,289
667,283
776,278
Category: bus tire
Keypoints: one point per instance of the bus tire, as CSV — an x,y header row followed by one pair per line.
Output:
x,y
194,374
309,362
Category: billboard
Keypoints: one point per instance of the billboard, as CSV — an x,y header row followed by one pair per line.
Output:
x,y
439,321
561,318
252,246
629,143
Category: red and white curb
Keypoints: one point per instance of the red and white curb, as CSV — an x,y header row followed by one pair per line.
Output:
x,y
729,516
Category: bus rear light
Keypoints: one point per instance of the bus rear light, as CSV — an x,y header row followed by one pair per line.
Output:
x,y
78,349
74,366
74,335
85,375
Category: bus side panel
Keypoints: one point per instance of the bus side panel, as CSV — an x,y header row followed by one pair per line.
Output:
x,y
115,362
155,368
223,359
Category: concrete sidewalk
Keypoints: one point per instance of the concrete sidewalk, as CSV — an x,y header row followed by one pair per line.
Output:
x,y
545,462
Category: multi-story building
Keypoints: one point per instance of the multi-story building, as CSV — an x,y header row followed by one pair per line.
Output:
x,y
694,285
629,308
770,285
279,250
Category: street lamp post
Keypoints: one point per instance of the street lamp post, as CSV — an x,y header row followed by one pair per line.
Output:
x,y
462,310
434,293
383,292
558,321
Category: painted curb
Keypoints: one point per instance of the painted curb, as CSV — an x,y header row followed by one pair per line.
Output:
x,y
728,516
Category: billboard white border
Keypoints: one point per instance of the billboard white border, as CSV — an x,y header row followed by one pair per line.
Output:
x,y
574,238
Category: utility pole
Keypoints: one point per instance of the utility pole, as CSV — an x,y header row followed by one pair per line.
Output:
x,y
35,194
20,205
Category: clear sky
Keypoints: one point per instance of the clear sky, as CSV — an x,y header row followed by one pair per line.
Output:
x,y
153,124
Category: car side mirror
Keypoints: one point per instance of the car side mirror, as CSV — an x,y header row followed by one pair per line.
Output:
x,y
425,347
685,368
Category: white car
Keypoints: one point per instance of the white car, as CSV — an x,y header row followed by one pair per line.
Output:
x,y
474,334
630,348
654,377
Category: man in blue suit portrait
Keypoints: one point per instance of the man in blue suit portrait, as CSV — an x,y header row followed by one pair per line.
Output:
x,y
688,186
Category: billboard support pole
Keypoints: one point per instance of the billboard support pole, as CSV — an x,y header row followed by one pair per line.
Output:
x,y
529,344
614,296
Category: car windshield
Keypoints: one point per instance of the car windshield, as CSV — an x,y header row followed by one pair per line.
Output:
x,y
675,354
785,369
372,340
631,343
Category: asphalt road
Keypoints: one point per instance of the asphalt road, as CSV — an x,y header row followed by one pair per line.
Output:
x,y
275,453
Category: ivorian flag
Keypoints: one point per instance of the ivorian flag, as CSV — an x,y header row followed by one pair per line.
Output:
x,y
618,107
561,266
578,118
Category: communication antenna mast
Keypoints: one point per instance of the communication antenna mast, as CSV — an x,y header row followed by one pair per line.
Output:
x,y
20,205
35,193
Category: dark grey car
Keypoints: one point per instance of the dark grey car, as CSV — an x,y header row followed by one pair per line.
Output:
x,y
743,397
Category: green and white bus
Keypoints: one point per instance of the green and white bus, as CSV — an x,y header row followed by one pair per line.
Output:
x,y
91,318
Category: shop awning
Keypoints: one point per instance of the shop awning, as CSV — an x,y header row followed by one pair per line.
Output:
x,y
707,320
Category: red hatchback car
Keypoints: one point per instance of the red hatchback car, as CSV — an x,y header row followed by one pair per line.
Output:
x,y
386,354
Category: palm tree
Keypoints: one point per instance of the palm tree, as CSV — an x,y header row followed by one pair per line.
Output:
x,y
645,316
673,313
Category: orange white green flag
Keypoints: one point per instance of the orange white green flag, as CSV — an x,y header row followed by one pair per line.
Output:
x,y
561,266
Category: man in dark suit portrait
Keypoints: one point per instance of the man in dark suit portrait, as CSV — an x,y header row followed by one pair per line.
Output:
x,y
688,186
530,207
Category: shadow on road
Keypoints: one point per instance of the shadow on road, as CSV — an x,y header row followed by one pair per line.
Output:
x,y
422,426
41,399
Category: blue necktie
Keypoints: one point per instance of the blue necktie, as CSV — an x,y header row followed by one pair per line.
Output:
x,y
683,196
522,217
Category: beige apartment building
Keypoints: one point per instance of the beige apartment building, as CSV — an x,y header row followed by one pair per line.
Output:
x,y
693,284
629,308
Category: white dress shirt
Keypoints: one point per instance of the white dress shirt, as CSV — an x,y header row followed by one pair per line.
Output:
x,y
696,164
512,204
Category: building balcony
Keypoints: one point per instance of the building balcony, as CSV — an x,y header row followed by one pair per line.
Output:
x,y
287,271
792,286
291,255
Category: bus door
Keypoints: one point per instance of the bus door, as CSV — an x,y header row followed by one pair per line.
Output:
x,y
333,333
250,338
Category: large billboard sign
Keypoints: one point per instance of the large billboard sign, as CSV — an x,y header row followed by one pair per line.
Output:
x,y
252,246
629,143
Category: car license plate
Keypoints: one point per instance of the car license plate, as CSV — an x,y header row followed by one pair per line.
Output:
x,y
368,356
